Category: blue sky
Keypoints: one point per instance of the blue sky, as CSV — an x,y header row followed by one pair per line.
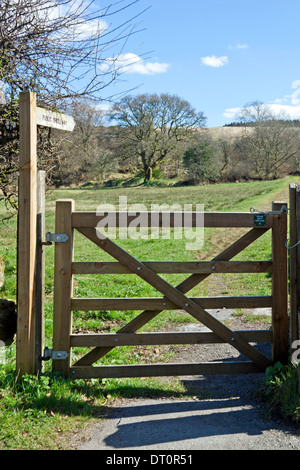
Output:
x,y
216,54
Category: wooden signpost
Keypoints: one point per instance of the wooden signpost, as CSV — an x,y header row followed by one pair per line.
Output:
x,y
25,346
30,277
54,119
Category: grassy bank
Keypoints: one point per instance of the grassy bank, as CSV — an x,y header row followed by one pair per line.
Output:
x,y
40,413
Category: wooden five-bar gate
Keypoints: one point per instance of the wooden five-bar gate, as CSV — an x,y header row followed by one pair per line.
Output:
x,y
173,297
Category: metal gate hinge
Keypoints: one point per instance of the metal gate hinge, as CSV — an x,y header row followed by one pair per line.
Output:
x,y
56,238
54,355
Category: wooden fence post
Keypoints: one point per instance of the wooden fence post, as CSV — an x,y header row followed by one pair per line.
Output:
x,y
280,285
40,272
63,285
294,249
25,346
293,252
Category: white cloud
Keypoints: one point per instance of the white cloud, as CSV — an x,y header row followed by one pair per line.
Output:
x,y
291,112
132,63
294,98
231,113
85,27
279,110
238,46
89,29
213,61
287,107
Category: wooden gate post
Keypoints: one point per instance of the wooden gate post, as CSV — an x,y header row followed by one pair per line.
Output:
x,y
63,285
40,272
30,277
280,285
294,250
25,346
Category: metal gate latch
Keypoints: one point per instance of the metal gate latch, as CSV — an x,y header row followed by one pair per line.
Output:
x,y
283,210
56,238
54,355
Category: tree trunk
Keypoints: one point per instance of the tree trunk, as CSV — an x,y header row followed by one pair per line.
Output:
x,y
148,174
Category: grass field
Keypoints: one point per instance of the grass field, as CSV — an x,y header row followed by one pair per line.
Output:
x,y
40,412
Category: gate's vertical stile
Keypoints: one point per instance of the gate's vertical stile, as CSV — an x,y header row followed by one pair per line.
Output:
x,y
63,285
280,285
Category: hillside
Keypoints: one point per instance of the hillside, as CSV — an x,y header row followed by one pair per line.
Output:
x,y
238,131
225,132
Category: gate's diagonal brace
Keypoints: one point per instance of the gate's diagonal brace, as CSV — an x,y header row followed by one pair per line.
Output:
x,y
173,294
186,285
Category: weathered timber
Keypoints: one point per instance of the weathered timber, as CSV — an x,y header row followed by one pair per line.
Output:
x,y
136,339
169,219
175,267
160,303
162,370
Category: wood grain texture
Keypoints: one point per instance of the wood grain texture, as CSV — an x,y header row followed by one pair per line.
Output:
x,y
63,286
25,346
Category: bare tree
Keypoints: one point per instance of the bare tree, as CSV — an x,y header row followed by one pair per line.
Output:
x,y
269,141
54,48
88,119
84,147
155,125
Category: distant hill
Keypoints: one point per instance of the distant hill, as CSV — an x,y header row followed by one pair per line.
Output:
x,y
231,132
227,132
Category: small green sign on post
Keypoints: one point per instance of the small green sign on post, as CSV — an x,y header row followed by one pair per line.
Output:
x,y
259,220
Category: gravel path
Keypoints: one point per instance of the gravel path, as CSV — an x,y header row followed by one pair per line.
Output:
x,y
224,414
187,425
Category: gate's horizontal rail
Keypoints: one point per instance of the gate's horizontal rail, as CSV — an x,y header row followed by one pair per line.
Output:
x,y
169,219
160,303
137,339
161,370
175,267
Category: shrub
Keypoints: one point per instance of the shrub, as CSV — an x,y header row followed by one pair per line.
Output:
x,y
198,163
280,390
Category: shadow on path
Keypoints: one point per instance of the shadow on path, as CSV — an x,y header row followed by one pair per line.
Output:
x,y
149,424
224,423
